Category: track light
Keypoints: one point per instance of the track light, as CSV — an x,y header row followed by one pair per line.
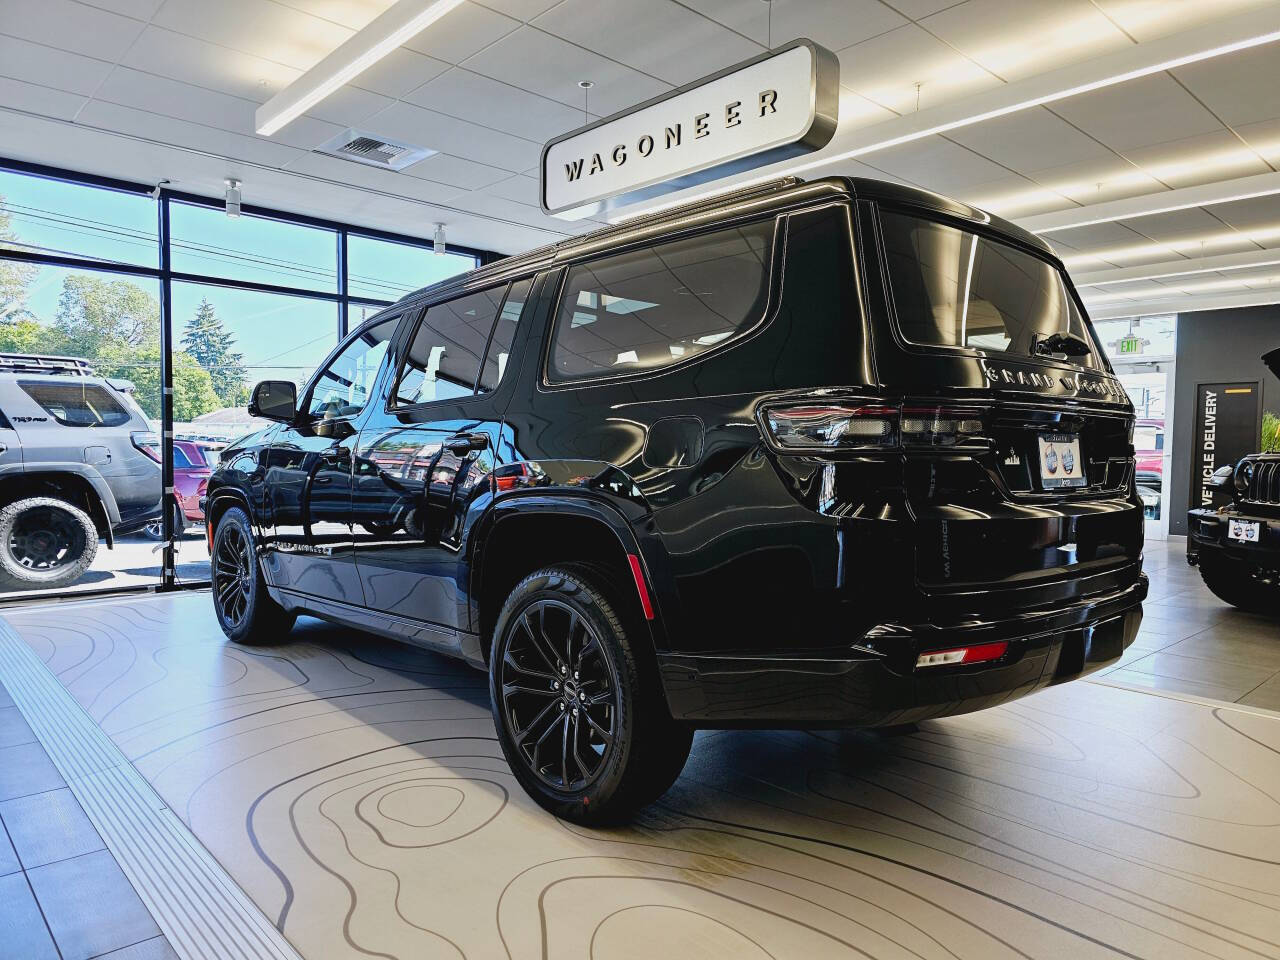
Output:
x,y
233,197
437,242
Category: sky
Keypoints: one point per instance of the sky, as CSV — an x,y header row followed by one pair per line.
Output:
x,y
280,336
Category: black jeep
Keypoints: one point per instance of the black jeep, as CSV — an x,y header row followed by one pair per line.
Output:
x,y
838,453
1236,545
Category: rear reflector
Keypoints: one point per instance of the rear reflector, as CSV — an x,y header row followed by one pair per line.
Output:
x,y
637,574
981,653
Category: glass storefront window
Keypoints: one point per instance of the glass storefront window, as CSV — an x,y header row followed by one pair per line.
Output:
x,y
103,403
382,270
39,215
257,249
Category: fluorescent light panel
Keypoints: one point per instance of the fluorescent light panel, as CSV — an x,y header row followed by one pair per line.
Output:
x,y
390,30
1151,57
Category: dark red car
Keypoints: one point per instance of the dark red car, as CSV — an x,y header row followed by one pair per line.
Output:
x,y
193,462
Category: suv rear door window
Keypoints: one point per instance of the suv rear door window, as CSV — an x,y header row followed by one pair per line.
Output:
x,y
443,358
504,335
649,308
954,288
77,404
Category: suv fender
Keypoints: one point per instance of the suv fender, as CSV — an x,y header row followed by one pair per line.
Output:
x,y
609,528
101,504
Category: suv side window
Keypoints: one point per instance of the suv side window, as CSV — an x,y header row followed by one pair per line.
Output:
x,y
647,308
77,404
443,359
504,335
343,389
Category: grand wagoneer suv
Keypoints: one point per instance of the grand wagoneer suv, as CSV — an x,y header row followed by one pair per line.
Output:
x,y
1236,544
823,454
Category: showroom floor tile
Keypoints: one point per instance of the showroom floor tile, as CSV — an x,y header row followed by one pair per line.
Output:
x,y
62,896
352,787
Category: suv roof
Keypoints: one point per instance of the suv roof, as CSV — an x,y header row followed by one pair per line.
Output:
x,y
775,194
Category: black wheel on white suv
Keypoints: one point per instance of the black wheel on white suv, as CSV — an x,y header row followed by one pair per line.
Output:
x,y
245,610
45,542
577,706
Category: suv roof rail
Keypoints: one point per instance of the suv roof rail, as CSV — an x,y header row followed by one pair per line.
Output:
x,y
42,363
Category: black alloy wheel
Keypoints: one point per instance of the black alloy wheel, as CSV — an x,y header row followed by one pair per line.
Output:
x,y
560,693
577,702
232,571
246,612
46,538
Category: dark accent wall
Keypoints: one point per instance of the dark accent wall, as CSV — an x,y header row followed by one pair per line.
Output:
x,y
1216,346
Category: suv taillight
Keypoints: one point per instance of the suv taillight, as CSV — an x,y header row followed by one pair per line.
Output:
x,y
147,443
811,426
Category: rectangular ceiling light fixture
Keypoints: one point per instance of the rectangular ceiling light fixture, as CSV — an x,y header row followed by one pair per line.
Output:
x,y
391,29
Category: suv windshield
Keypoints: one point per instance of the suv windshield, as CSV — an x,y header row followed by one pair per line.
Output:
x,y
77,404
953,288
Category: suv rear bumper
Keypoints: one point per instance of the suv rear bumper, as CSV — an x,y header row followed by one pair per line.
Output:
x,y
878,684
1207,534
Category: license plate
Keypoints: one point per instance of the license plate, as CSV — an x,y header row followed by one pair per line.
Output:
x,y
1246,531
1060,462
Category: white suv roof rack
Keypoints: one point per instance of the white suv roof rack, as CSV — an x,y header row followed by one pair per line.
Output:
x,y
41,363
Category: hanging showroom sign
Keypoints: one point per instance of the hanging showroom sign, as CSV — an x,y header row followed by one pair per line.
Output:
x,y
778,105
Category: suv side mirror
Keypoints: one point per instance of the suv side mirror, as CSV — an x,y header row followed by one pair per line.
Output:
x,y
274,400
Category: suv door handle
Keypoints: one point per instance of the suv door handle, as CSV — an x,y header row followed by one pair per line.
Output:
x,y
465,443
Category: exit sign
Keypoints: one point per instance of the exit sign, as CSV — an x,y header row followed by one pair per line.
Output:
x,y
1130,345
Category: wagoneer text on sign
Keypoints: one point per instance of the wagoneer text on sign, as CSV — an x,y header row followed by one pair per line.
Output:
x,y
779,105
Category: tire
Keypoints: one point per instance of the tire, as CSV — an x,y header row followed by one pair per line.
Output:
x,y
1240,585
154,530
45,542
563,651
244,609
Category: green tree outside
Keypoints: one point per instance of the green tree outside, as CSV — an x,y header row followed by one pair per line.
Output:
x,y
15,278
211,344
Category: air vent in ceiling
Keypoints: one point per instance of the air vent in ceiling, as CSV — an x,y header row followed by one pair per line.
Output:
x,y
374,151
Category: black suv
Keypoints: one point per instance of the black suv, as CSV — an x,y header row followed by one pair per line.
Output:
x,y
1236,544
824,454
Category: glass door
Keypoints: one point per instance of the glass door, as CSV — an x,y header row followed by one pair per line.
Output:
x,y
1150,387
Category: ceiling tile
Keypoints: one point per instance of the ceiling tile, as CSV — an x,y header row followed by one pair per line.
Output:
x,y
354,14
1174,225
918,9
192,60
36,63
400,72
132,88
69,26
657,37
137,9
427,128
41,100
349,106
1019,38
467,30
1240,88
1139,113
1196,160
1148,19
833,23
1031,140
456,172
361,175
1249,214
887,68
184,133
522,10
936,164
465,94
260,27
544,64
519,188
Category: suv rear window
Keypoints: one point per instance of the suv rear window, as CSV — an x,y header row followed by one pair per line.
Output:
x,y
954,288
648,308
77,404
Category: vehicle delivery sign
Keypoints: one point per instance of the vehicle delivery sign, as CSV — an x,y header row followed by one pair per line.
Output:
x,y
758,112
1228,420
